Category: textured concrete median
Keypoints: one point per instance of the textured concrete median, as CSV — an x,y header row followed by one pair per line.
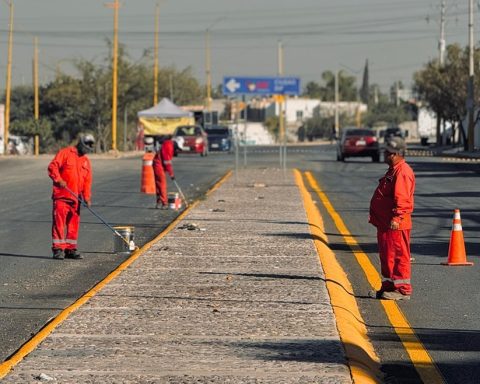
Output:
x,y
233,294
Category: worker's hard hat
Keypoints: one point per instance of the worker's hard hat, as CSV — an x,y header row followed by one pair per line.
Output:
x,y
148,140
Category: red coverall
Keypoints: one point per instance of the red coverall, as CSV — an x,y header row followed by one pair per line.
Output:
x,y
76,171
162,162
393,201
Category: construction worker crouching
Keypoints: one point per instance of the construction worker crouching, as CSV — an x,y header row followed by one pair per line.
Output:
x,y
162,164
71,173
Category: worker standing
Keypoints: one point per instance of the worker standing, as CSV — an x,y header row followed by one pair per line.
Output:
x,y
391,208
162,164
71,173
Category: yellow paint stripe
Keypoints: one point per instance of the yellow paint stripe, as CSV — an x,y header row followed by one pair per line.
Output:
x,y
30,345
421,359
363,361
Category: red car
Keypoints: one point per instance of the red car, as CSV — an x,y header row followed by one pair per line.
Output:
x,y
358,142
190,139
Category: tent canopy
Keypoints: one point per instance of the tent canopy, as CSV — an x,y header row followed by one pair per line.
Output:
x,y
165,109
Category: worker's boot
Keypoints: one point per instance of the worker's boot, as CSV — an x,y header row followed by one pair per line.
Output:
x,y
58,253
72,254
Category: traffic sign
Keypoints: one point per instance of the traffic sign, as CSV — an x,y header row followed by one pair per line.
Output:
x,y
236,85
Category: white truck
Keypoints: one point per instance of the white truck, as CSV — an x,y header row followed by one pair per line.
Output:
x,y
427,126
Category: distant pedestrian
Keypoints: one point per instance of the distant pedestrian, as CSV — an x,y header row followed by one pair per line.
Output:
x,y
391,208
162,164
71,173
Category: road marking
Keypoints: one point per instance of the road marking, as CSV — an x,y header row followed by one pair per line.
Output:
x,y
31,344
363,362
421,359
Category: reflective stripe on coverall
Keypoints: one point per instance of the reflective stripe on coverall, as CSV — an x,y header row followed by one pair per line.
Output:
x,y
163,163
76,171
393,201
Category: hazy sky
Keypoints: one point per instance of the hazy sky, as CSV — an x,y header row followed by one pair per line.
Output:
x,y
396,36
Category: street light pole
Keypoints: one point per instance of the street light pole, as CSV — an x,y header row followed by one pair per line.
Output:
x,y
155,60
470,86
115,5
9,79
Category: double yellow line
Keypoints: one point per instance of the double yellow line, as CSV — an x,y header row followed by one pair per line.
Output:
x,y
364,362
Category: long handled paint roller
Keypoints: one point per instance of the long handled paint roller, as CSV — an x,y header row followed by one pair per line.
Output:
x,y
181,193
131,245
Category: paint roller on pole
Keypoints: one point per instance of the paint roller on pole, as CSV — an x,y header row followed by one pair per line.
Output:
x,y
131,245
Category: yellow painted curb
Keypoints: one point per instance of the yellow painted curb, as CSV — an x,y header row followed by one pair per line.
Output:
x,y
31,344
363,361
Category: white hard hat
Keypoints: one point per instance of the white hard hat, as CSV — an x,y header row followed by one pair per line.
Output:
x,y
148,140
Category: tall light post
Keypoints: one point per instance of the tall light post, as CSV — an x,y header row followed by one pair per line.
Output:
x,y
470,86
9,79
155,60
208,70
115,5
36,108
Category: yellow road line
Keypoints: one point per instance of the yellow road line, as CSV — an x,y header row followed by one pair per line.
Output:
x,y
31,344
421,359
363,361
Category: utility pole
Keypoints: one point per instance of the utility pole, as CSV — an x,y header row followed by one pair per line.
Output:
x,y
115,5
35,92
470,86
441,41
337,123
208,102
281,120
9,79
155,62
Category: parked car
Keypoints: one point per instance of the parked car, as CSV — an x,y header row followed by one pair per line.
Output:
x,y
190,139
358,142
392,132
220,138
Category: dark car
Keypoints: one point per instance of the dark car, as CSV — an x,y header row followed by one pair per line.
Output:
x,y
190,139
358,142
392,132
219,138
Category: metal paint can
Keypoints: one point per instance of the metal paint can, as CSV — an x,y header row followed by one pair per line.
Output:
x,y
124,247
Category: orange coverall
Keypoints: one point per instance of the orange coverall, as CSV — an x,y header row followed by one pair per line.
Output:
x,y
162,163
76,171
393,201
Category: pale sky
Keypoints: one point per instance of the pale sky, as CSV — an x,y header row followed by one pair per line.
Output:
x,y
396,36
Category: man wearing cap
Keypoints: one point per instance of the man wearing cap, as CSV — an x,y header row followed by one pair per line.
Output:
x,y
71,173
391,208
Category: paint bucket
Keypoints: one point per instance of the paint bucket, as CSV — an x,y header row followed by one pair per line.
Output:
x,y
174,201
126,246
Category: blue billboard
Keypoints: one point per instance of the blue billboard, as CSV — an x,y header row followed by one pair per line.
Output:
x,y
237,85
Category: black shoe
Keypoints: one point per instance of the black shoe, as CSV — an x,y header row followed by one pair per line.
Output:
x,y
58,253
73,254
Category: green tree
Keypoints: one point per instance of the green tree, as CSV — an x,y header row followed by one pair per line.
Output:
x,y
365,89
312,90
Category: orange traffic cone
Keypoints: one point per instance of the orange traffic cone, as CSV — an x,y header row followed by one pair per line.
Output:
x,y
148,177
456,249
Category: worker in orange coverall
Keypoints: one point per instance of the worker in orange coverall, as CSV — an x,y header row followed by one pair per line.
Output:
x,y
70,171
391,208
162,164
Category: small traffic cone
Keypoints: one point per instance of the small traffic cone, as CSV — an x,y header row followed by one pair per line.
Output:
x,y
148,176
456,249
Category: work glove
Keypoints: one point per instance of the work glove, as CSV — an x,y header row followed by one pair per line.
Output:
x,y
62,183
172,177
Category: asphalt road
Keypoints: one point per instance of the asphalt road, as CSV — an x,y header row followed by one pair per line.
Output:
x,y
444,308
33,286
